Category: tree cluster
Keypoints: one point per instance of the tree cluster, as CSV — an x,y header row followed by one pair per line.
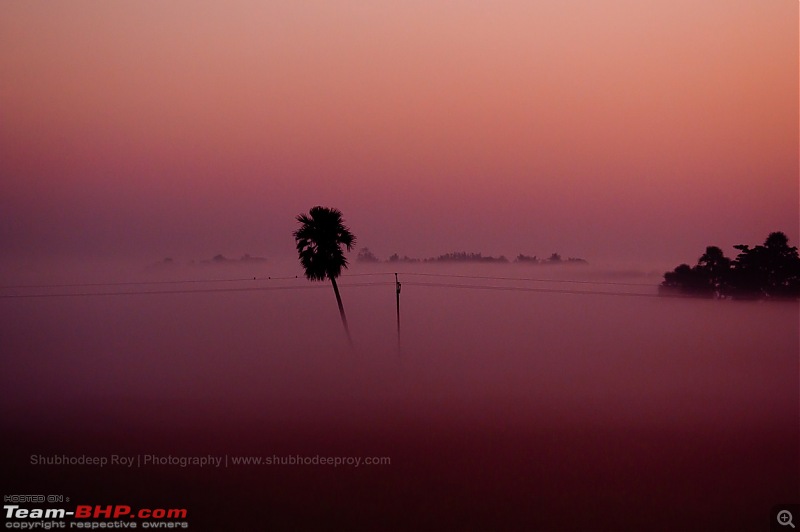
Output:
x,y
463,256
771,270
367,256
555,258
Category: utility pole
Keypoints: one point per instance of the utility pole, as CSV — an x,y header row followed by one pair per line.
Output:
x,y
397,286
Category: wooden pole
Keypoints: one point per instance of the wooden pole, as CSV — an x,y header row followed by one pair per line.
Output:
x,y
397,286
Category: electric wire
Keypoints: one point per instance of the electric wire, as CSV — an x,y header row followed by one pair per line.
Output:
x,y
270,278
539,290
345,285
299,277
533,279
188,291
134,283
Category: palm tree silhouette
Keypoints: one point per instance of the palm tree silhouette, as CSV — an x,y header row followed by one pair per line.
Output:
x,y
319,239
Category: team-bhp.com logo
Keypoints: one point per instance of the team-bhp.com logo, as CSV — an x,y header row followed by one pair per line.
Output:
x,y
156,517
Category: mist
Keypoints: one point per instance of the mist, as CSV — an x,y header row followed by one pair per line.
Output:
x,y
142,142
506,401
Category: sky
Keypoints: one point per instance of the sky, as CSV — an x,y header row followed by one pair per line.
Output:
x,y
609,130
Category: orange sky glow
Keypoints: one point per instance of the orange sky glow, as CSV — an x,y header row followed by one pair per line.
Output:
x,y
609,129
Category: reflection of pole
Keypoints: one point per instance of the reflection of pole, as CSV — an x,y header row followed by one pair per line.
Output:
x,y
397,285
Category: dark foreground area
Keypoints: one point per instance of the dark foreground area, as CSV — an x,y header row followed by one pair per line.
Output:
x,y
444,474
505,410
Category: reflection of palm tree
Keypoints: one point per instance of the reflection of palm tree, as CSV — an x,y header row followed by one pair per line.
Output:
x,y
320,238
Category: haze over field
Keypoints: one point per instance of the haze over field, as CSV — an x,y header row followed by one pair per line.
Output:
x,y
520,396
530,406
615,130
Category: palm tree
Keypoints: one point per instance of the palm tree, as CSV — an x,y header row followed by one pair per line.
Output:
x,y
320,238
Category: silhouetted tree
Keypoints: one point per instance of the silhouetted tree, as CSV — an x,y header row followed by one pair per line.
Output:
x,y
463,256
526,258
320,239
577,260
365,255
715,267
690,280
405,258
770,270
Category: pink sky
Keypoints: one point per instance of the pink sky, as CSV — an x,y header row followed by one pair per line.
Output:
x,y
610,130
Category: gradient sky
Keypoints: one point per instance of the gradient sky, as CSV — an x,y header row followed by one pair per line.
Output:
x,y
610,130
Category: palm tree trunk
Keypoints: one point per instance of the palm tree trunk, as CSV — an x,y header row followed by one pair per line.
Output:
x,y
341,310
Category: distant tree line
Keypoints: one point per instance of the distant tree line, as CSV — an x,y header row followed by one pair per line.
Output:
x,y
771,270
218,259
462,256
555,258
366,256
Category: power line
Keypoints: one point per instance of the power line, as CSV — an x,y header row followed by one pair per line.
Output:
x,y
177,281
194,291
348,285
298,277
538,290
532,279
139,283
